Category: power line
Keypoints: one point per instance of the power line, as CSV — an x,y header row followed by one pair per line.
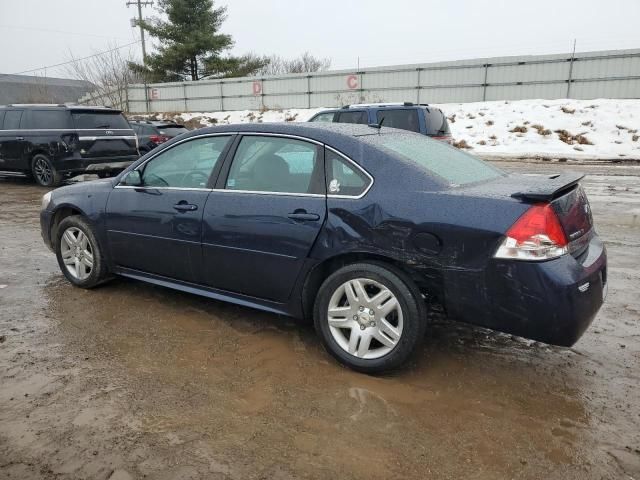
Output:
x,y
38,29
71,61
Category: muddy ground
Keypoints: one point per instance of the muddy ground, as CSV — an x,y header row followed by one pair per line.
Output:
x,y
136,381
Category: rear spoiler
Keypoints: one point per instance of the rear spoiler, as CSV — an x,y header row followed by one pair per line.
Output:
x,y
551,187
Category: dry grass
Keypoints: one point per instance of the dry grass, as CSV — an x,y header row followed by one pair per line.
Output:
x,y
462,144
470,116
493,137
488,123
195,123
452,118
568,110
290,118
587,124
635,138
570,139
481,114
541,130
519,129
482,142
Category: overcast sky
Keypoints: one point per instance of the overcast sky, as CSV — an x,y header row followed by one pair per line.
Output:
x,y
37,33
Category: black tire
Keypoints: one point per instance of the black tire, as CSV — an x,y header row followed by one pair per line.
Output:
x,y
99,272
43,171
414,313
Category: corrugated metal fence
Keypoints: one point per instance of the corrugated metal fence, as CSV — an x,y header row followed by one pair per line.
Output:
x,y
605,74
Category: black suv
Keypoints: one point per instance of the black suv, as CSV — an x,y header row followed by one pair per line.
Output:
x,y
421,118
152,133
51,142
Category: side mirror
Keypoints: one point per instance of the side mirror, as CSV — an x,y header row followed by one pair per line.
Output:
x,y
132,179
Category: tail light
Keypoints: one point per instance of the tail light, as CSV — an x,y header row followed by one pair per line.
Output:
x,y
159,138
536,235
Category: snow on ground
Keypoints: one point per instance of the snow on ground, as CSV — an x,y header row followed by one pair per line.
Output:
x,y
572,129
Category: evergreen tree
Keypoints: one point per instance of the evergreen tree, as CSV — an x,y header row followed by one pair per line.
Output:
x,y
191,45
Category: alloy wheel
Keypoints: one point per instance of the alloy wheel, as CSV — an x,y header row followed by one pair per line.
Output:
x,y
42,170
77,253
365,318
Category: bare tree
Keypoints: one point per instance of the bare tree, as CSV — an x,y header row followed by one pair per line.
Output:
x,y
110,72
303,64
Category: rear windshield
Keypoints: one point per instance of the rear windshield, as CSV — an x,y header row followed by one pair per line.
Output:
x,y
171,130
93,120
451,165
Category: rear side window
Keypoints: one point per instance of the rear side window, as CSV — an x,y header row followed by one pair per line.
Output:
x,y
276,164
324,117
344,178
12,119
451,165
49,119
94,120
405,119
353,117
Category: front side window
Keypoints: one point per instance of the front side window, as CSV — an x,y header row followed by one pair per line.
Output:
x,y
88,120
405,119
324,117
12,119
353,117
439,160
343,178
187,165
276,164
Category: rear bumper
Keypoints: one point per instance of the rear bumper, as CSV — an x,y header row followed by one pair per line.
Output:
x,y
552,302
90,165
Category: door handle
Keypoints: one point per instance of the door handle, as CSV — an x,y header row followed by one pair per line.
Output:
x,y
185,207
303,216
19,138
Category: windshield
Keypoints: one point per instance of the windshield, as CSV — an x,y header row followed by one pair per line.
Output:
x,y
451,165
93,120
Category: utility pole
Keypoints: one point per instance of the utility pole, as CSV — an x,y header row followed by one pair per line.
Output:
x,y
140,4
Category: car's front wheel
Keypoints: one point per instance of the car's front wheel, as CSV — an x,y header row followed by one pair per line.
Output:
x,y
79,255
370,316
43,171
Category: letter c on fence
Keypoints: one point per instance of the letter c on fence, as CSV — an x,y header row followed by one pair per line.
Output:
x,y
257,88
352,82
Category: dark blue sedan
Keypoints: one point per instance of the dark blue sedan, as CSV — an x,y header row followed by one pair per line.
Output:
x,y
359,227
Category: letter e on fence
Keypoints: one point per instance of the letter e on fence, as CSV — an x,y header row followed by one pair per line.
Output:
x,y
154,94
352,82
257,88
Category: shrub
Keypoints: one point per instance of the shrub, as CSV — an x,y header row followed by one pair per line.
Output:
x,y
488,123
519,129
462,144
568,110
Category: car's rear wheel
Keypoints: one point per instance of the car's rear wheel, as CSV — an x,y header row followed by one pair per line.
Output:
x,y
370,316
44,173
79,255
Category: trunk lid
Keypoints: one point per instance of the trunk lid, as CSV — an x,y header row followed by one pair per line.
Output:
x,y
566,196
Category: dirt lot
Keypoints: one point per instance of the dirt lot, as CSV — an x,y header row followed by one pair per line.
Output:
x,y
133,381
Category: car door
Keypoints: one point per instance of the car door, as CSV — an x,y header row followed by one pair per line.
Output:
x,y
156,227
12,142
264,216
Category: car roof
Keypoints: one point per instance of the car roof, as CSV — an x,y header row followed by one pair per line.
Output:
x,y
342,136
